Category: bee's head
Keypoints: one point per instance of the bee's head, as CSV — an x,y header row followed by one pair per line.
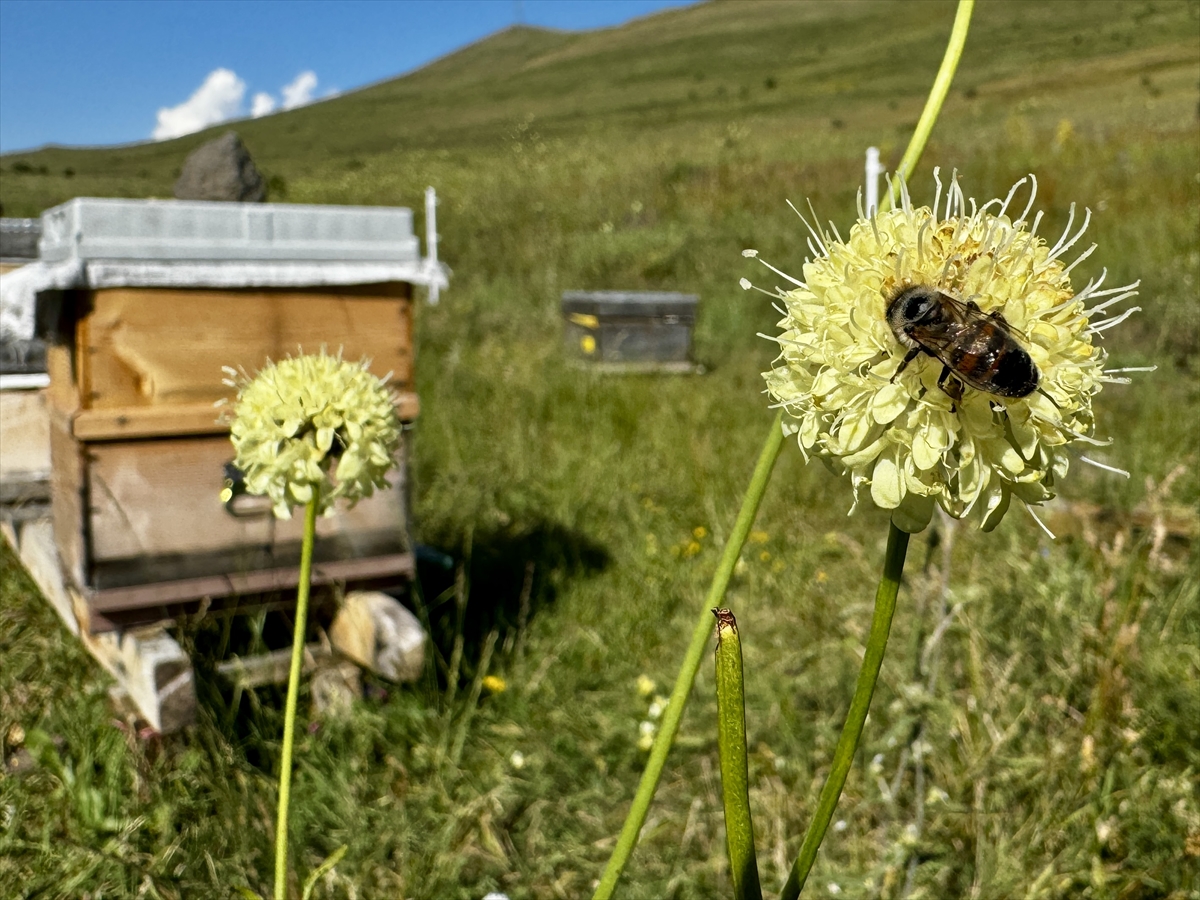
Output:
x,y
914,305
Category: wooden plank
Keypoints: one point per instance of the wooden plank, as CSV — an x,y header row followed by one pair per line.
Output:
x,y
143,346
68,499
399,565
24,436
62,396
147,664
34,543
177,420
271,668
157,497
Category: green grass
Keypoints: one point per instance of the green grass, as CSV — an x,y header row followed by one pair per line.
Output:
x,y
1061,735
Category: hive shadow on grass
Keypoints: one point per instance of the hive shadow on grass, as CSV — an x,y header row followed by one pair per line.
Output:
x,y
533,561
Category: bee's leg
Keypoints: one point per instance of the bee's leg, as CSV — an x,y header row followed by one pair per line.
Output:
x,y
951,386
1048,397
908,357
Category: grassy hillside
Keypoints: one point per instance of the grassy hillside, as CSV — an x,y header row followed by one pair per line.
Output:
x,y
859,70
1057,718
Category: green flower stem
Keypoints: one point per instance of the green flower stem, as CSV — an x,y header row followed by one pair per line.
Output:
x,y
735,769
750,503
691,664
937,96
868,675
289,716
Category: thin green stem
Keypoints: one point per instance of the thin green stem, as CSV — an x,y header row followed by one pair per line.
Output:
x,y
868,675
691,664
289,716
937,96
735,768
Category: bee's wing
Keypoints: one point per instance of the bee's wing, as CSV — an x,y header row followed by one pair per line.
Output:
x,y
955,322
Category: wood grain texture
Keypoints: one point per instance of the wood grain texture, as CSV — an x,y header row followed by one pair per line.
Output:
x,y
144,346
175,420
62,395
24,435
68,499
164,593
156,497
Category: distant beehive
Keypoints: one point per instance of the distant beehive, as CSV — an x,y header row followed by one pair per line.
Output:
x,y
164,294
18,241
630,330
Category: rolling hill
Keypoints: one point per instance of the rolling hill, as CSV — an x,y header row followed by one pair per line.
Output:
x,y
858,70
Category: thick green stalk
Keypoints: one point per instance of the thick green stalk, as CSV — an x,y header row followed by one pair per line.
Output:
x,y
735,768
289,716
691,664
868,675
937,96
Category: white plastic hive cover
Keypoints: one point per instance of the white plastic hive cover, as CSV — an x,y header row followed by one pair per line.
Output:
x,y
89,228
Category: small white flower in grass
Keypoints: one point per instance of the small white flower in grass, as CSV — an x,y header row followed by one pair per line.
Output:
x,y
309,422
962,424
646,732
517,759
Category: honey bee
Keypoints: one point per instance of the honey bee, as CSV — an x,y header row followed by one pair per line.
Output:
x,y
974,347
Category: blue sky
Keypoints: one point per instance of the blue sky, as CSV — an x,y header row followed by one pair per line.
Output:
x,y
112,71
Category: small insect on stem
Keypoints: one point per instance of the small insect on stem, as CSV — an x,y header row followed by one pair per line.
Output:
x,y
975,348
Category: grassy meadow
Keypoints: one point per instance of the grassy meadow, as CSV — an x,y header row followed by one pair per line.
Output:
x,y
1036,731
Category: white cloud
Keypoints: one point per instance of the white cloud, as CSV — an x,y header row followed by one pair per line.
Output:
x,y
263,104
217,99
220,98
300,91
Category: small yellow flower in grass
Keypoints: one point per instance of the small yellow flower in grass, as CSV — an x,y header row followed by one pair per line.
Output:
x,y
309,422
699,532
645,685
494,684
940,355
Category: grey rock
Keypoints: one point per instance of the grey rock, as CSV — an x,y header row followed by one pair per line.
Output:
x,y
221,170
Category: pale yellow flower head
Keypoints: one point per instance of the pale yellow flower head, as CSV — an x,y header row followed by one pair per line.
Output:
x,y
901,438
313,422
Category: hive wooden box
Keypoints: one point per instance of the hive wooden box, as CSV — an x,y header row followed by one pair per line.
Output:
x,y
630,331
139,454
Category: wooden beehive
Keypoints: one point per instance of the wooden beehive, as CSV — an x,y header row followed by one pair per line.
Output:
x,y
138,307
139,453
630,331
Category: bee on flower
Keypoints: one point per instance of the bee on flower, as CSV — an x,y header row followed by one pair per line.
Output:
x,y
940,355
